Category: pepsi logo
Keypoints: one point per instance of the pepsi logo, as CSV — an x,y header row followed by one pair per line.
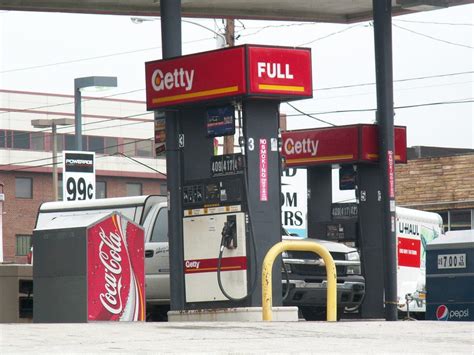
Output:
x,y
442,312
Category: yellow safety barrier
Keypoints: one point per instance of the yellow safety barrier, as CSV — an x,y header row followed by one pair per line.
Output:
x,y
299,245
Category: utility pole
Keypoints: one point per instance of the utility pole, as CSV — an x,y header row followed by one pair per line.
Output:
x,y
230,42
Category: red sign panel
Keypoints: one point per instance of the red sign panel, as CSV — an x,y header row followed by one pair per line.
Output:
x,y
230,72
116,275
320,146
281,71
233,263
409,252
195,77
345,144
370,143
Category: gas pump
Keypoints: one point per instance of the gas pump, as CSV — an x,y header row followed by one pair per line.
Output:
x,y
354,150
230,203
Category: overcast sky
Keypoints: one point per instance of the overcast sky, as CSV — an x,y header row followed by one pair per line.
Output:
x,y
44,52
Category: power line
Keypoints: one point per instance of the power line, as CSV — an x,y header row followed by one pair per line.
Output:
x,y
72,102
395,91
459,101
92,58
310,115
433,38
435,23
395,81
139,162
50,157
331,34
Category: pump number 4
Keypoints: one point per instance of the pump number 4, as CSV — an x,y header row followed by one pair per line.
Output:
x,y
451,261
79,189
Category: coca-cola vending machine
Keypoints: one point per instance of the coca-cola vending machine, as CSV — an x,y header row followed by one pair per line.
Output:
x,y
89,268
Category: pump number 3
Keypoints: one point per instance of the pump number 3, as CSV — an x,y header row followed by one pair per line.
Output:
x,y
251,144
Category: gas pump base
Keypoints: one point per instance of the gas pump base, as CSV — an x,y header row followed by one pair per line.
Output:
x,y
241,314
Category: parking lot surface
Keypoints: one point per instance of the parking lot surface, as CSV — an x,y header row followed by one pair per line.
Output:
x,y
240,337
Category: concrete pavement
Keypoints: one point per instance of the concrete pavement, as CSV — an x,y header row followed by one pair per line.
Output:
x,y
240,337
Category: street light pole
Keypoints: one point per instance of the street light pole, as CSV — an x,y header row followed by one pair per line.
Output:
x,y
55,161
97,83
46,123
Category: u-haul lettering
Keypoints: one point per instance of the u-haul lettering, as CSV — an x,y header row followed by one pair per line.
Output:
x,y
304,146
274,70
179,78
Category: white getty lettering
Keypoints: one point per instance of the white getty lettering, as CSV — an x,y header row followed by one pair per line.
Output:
x,y
306,145
274,70
179,78
192,264
111,260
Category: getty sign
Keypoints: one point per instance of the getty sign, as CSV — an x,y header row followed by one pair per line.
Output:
x,y
242,71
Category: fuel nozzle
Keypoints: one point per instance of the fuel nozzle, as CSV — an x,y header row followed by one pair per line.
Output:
x,y
229,233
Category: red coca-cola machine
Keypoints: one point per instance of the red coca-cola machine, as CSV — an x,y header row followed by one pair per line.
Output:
x,y
89,268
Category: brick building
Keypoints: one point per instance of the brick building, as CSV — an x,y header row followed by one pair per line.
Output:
x,y
439,180
120,132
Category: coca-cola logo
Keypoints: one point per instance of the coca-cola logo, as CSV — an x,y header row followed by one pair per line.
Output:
x,y
109,254
115,281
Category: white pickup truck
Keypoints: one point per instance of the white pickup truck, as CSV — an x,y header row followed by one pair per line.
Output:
x,y
306,281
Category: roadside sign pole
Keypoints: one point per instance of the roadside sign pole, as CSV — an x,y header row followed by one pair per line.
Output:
x,y
384,78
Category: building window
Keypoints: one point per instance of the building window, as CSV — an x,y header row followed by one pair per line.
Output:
x,y
23,244
23,187
100,189
111,145
96,144
37,141
2,139
134,189
70,142
459,220
144,148
129,147
21,140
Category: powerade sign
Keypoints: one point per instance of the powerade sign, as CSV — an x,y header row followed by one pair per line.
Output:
x,y
78,176
453,313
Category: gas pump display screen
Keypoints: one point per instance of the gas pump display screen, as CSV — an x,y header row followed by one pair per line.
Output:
x,y
220,121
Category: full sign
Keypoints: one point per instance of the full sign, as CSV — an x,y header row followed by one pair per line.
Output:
x,y
78,176
249,70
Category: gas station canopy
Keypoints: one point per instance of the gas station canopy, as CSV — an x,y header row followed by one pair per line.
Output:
x,y
335,11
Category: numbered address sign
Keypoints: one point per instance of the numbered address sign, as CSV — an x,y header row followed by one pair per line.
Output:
x,y
78,176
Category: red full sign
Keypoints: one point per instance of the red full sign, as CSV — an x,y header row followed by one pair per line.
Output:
x,y
275,72
280,71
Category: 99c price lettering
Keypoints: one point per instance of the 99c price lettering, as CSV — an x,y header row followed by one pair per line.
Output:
x,y
79,190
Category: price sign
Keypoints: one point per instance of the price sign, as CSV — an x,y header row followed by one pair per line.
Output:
x,y
452,261
78,176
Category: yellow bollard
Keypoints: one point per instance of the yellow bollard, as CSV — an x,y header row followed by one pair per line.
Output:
x,y
298,245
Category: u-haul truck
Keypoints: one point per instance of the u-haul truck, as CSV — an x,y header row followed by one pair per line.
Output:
x,y
414,230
